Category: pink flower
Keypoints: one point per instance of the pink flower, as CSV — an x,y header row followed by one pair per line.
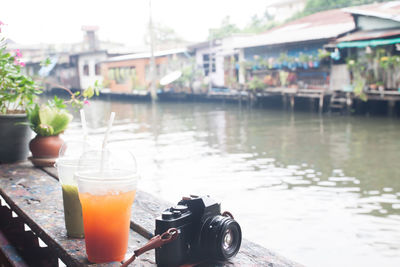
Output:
x,y
86,102
1,23
18,53
22,64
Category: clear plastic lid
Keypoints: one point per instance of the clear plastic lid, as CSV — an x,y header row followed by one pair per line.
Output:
x,y
68,160
103,171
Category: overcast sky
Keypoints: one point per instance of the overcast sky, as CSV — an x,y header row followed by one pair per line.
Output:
x,y
55,21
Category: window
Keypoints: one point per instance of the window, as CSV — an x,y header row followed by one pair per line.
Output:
x,y
86,70
122,75
97,69
206,63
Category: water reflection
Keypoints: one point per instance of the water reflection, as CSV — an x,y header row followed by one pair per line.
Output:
x,y
324,191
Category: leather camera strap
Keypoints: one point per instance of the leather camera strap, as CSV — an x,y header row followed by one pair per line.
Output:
x,y
155,242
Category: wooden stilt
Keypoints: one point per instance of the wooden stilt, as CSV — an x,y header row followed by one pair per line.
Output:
x,y
391,105
292,102
321,103
284,101
311,104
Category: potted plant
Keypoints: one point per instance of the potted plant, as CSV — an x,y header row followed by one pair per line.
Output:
x,y
51,119
380,85
17,92
255,84
304,58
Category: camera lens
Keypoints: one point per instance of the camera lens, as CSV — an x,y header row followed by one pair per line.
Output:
x,y
220,237
227,240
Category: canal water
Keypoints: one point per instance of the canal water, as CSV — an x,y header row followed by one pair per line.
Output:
x,y
320,190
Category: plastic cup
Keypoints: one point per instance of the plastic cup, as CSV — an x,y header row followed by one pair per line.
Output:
x,y
106,192
67,164
72,206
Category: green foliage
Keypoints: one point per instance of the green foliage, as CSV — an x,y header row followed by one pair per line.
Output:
x,y
260,24
91,90
162,35
53,117
314,6
255,83
187,76
389,62
358,69
323,54
48,120
256,25
57,102
283,77
226,29
377,67
17,91
303,58
45,62
283,57
359,85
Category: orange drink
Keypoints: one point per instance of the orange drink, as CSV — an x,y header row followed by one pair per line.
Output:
x,y
106,220
106,197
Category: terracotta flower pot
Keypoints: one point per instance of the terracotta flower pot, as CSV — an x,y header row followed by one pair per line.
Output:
x,y
45,149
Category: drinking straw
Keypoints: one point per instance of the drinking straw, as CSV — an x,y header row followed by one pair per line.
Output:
x,y
110,122
105,140
84,126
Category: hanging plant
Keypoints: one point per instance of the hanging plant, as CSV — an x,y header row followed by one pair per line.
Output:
x,y
323,54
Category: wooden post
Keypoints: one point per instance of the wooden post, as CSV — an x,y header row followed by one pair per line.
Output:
x,y
321,103
391,105
292,102
284,101
311,104
349,103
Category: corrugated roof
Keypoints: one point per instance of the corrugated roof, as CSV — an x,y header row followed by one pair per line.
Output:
x,y
318,26
147,55
367,35
387,10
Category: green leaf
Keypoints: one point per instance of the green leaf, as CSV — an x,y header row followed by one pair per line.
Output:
x,y
61,121
45,62
88,93
44,130
53,120
33,116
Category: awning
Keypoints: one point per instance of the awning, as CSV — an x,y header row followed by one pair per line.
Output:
x,y
366,43
370,35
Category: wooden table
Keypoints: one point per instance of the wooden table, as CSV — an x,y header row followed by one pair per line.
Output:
x,y
35,196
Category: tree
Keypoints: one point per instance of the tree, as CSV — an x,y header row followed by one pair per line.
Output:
x,y
257,24
260,24
164,36
314,6
226,29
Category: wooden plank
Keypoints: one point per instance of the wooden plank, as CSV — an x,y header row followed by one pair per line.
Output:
x,y
384,97
37,199
386,92
147,207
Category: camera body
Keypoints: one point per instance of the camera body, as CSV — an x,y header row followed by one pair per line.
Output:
x,y
204,234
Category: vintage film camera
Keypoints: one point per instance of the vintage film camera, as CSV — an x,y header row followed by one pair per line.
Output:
x,y
204,233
